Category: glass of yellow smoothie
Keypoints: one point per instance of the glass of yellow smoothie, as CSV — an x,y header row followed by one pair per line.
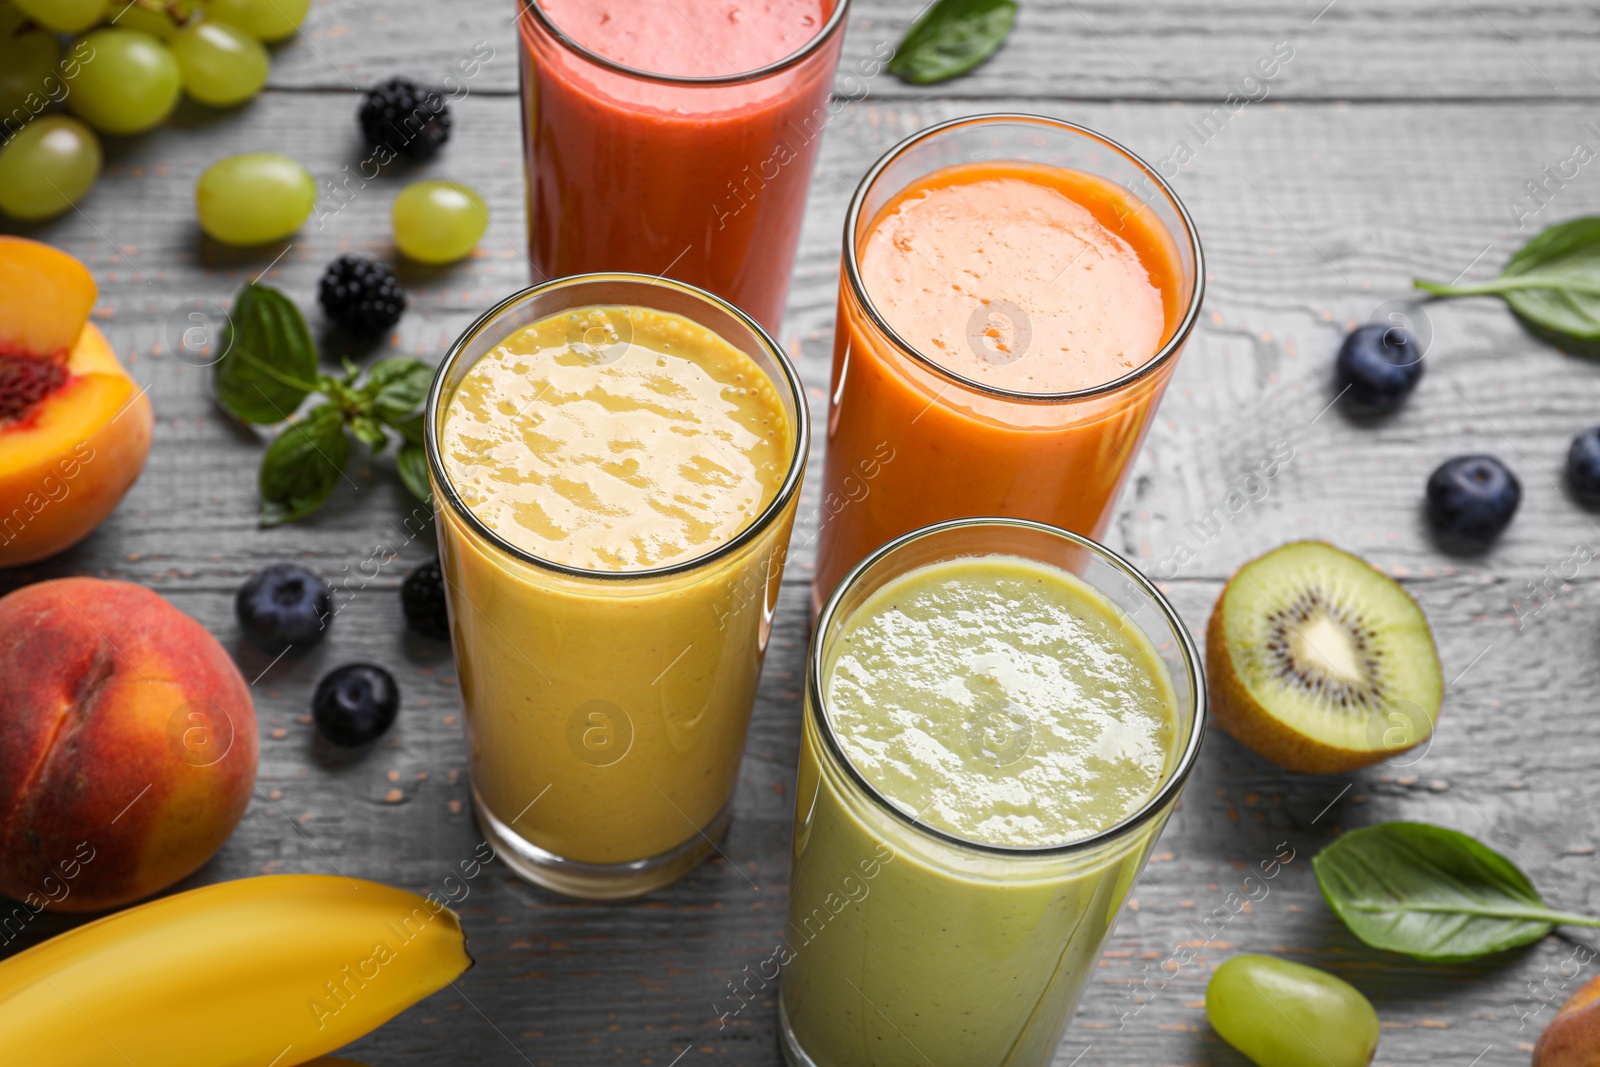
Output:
x,y
615,462
1000,716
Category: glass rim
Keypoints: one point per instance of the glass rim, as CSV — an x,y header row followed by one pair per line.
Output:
x,y
834,22
749,532
1158,800
1164,354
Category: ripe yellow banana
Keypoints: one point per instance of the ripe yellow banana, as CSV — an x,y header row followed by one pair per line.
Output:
x,y
262,972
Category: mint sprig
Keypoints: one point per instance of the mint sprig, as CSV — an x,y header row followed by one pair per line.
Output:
x,y
269,369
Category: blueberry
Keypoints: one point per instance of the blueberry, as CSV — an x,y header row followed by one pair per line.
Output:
x,y
422,596
1378,366
1471,499
355,704
1583,468
284,605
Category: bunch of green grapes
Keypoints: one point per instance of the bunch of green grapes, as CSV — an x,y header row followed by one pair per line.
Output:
x,y
119,66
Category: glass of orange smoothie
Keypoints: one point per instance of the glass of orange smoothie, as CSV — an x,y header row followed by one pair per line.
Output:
x,y
1014,296
677,138
615,462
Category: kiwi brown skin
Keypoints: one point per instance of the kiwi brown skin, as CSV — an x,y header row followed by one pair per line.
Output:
x,y
1247,722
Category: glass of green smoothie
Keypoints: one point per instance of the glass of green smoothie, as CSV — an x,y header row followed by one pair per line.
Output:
x,y
1000,716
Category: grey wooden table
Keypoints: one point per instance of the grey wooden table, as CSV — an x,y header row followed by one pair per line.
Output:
x,y
1393,142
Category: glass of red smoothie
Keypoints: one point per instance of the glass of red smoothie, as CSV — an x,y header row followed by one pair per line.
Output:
x,y
674,138
1014,296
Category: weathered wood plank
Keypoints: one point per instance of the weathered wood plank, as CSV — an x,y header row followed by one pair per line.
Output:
x,y
1256,375
1375,193
1093,49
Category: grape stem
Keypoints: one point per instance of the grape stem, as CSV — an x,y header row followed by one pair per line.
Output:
x,y
179,11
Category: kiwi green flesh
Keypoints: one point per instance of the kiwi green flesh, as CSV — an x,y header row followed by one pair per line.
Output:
x,y
1332,649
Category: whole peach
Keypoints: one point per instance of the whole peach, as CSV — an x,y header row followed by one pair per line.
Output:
x,y
127,745
1572,1038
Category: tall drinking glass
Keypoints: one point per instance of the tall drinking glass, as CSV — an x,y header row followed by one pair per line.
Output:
x,y
1009,364
909,944
607,704
677,141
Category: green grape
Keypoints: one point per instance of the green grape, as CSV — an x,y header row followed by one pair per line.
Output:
x,y
11,19
265,20
254,198
121,81
65,16
48,167
221,65
1283,1014
27,68
438,222
134,16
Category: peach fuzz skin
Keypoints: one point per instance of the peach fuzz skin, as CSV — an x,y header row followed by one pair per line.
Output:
x,y
66,459
128,745
1572,1038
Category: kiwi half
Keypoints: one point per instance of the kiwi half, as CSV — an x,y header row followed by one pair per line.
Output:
x,y
1321,663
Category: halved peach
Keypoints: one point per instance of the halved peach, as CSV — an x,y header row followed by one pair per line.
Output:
x,y
45,299
74,427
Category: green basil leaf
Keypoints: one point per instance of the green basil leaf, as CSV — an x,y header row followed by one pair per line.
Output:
x,y
411,427
336,390
395,387
370,432
303,465
269,361
1432,893
951,38
413,468
1552,284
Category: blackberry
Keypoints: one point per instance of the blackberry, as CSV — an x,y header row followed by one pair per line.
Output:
x,y
361,296
406,118
422,595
